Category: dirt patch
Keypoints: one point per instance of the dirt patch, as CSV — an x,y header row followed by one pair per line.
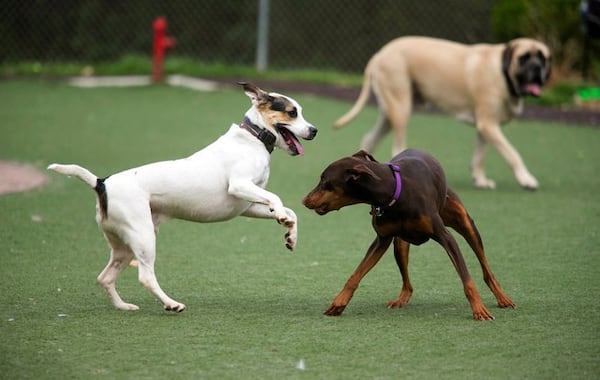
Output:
x,y
16,177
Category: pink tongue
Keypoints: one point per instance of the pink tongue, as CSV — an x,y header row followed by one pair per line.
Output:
x,y
533,89
298,146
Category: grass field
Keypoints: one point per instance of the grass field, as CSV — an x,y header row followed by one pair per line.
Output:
x,y
254,309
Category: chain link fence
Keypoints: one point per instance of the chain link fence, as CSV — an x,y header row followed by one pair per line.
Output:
x,y
333,34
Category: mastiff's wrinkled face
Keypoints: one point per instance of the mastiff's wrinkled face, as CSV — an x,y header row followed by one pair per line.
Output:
x,y
527,63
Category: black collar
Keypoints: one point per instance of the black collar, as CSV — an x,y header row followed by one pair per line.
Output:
x,y
506,57
263,134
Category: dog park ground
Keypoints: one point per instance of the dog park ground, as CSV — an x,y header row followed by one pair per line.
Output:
x,y
254,309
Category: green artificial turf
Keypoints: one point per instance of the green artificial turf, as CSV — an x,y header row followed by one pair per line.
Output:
x,y
254,309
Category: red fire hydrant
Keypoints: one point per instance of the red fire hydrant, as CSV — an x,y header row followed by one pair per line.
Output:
x,y
160,44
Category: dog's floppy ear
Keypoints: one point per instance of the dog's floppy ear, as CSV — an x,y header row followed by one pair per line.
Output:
x,y
364,155
548,68
255,94
507,55
358,171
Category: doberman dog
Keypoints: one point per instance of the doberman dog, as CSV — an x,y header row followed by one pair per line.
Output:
x,y
411,204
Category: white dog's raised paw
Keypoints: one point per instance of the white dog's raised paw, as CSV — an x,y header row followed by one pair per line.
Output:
x,y
176,307
290,245
291,238
286,222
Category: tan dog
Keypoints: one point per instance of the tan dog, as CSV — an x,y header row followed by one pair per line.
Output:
x,y
481,84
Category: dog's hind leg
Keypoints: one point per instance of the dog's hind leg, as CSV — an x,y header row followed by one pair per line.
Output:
x,y
477,165
401,249
120,257
445,239
372,138
395,101
456,216
143,244
131,220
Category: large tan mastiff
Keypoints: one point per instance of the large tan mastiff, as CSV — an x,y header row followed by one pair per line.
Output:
x,y
481,84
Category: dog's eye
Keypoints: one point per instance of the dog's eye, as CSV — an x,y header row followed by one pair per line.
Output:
x,y
524,58
293,113
325,185
541,57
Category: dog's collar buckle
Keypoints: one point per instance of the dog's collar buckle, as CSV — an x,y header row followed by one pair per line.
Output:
x,y
378,210
262,134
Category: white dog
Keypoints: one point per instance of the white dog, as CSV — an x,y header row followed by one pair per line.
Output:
x,y
221,181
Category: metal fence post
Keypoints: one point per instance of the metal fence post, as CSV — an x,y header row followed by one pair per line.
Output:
x,y
262,38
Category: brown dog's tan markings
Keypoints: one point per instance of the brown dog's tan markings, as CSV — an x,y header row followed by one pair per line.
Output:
x,y
423,210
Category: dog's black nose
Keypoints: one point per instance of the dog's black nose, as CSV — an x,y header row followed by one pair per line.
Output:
x,y
312,132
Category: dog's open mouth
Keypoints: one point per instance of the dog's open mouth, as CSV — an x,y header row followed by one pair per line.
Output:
x,y
294,146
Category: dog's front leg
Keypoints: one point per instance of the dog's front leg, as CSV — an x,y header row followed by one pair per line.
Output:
x,y
266,205
375,252
477,170
258,210
492,134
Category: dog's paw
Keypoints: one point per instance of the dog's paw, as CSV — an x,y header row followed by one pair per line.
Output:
x,y
527,181
176,307
505,301
397,304
482,314
291,237
402,300
286,221
484,183
289,220
335,310
127,306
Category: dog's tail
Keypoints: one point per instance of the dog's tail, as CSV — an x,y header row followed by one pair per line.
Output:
x,y
77,171
88,177
363,97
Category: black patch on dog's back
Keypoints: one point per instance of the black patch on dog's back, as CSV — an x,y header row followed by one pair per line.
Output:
x,y
100,189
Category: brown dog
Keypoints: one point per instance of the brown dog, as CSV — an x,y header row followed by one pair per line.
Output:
x,y
481,84
410,205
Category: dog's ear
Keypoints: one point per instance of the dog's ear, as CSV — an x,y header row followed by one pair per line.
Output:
x,y
364,155
359,171
548,68
255,94
507,55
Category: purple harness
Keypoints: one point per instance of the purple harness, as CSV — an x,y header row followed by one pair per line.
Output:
x,y
396,170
